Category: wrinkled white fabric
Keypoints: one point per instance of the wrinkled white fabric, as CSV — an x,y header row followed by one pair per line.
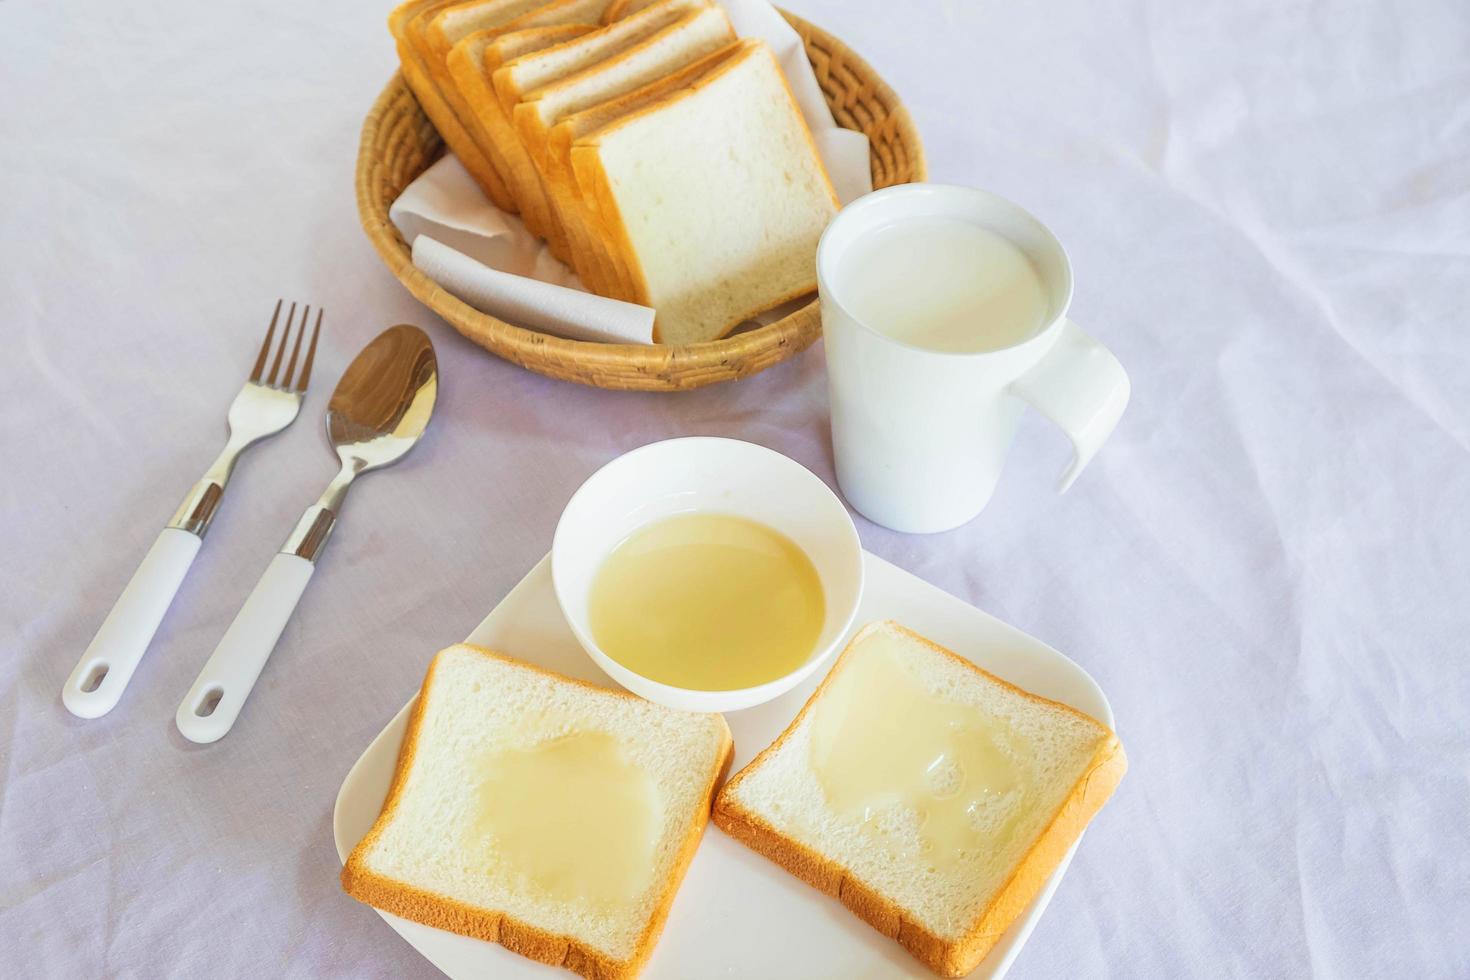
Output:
x,y
1266,203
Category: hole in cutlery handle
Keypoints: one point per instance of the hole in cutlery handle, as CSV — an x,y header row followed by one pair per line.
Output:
x,y
209,703
94,687
213,703
94,677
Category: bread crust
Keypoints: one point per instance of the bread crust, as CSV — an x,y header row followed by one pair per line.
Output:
x,y
467,64
553,23
613,279
946,957
440,74
461,63
436,51
561,180
597,268
614,11
406,24
510,90
593,182
442,912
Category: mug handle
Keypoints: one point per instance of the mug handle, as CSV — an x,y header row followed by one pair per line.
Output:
x,y
1080,386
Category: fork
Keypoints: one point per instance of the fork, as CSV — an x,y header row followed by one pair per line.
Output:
x,y
266,405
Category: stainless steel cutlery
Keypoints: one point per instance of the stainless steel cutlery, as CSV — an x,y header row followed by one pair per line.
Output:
x,y
264,406
378,412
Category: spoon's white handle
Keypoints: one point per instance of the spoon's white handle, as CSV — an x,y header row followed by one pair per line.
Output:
x,y
94,687
214,702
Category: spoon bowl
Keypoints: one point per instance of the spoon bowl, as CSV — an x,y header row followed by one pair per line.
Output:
x,y
385,399
378,411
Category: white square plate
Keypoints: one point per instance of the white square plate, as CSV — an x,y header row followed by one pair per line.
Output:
x,y
736,914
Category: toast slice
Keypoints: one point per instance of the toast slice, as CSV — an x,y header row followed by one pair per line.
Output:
x,y
619,9
448,25
403,22
467,63
931,798
559,140
687,40
558,13
712,230
513,80
549,815
436,35
563,12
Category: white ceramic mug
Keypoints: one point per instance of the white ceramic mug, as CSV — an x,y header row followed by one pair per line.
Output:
x,y
920,435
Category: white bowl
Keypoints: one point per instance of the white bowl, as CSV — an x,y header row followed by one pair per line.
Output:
x,y
723,476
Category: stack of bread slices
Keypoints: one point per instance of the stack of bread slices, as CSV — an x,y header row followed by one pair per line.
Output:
x,y
661,157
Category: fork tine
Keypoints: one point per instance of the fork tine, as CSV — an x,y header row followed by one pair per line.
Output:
x,y
276,364
291,364
265,348
310,351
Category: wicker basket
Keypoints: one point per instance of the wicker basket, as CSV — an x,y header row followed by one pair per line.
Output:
x,y
399,143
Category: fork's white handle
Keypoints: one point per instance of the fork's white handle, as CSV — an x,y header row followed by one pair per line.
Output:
x,y
94,687
218,694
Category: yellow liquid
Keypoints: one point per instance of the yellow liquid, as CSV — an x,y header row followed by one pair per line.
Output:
x,y
571,819
708,602
882,742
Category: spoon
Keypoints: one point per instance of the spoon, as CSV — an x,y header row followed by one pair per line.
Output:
x,y
380,409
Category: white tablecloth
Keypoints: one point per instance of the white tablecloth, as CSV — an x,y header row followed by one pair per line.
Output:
x,y
1267,206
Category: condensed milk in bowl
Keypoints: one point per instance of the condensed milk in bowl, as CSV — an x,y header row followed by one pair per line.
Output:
x,y
707,574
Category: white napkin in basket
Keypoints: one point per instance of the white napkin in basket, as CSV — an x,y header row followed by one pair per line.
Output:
x,y
487,258
540,305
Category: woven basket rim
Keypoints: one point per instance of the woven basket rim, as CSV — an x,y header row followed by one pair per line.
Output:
x,y
626,364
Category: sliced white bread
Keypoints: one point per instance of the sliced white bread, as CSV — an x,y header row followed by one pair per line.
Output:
x,y
437,33
562,12
402,22
557,13
463,65
946,907
619,9
558,155
441,30
686,40
460,19
428,857
715,198
467,63
513,80
681,43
